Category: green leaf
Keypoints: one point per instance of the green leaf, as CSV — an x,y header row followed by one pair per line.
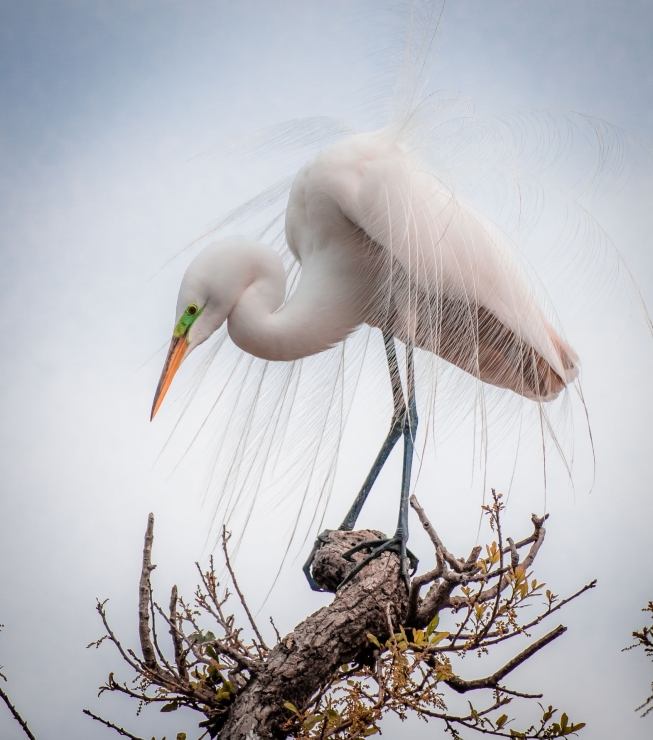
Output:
x,y
439,636
291,706
373,639
502,721
181,736
174,705
370,731
432,625
311,721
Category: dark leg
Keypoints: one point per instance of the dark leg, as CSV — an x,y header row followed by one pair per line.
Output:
x,y
398,542
397,426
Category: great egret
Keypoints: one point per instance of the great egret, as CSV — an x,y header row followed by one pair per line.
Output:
x,y
381,241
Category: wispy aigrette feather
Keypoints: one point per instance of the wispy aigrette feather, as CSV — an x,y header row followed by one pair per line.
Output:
x,y
430,222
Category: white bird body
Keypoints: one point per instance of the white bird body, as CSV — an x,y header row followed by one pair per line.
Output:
x,y
378,234
382,241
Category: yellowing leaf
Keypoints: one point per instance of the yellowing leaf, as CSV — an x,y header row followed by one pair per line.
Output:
x,y
373,639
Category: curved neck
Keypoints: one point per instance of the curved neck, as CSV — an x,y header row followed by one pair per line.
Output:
x,y
315,317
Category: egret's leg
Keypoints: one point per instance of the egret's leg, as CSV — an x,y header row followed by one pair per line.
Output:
x,y
398,542
397,426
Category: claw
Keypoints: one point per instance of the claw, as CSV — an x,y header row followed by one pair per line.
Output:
x,y
395,544
319,541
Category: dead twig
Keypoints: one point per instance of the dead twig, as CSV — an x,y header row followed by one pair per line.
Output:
x,y
105,722
492,682
225,539
15,714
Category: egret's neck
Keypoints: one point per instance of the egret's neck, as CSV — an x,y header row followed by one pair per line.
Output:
x,y
318,315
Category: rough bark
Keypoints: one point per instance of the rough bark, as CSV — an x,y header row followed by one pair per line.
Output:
x,y
309,657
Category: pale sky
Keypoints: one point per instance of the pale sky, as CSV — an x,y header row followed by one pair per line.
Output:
x,y
103,105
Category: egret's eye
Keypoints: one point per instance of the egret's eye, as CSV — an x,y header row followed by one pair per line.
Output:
x,y
192,309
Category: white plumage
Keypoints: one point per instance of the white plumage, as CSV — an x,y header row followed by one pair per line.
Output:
x,y
381,241
379,233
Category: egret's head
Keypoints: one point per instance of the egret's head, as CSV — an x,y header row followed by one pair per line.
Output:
x,y
208,292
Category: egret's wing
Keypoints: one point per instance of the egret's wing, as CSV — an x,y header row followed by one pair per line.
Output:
x,y
453,287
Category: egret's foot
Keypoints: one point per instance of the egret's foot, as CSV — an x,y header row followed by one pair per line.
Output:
x,y
319,541
395,544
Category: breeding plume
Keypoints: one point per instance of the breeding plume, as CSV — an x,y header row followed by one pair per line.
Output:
x,y
382,241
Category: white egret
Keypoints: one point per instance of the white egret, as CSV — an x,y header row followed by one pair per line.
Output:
x,y
381,241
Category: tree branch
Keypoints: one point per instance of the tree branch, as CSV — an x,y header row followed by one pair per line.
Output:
x,y
319,680
492,682
105,722
225,539
16,715
144,592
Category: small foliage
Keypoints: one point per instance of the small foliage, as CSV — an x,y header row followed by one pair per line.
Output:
x,y
412,668
644,640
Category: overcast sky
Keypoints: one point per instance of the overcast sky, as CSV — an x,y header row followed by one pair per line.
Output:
x,y
103,105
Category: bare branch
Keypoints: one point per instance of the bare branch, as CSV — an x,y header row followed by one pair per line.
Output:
x,y
149,655
492,682
16,715
103,616
105,722
276,631
541,617
177,639
416,585
237,656
225,539
458,565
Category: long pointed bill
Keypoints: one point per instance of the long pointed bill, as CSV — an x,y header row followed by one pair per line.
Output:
x,y
174,359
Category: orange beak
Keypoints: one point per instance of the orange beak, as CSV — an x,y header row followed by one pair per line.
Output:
x,y
174,359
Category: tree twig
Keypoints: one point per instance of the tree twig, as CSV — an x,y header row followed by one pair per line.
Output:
x,y
492,682
177,639
225,539
16,715
105,722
